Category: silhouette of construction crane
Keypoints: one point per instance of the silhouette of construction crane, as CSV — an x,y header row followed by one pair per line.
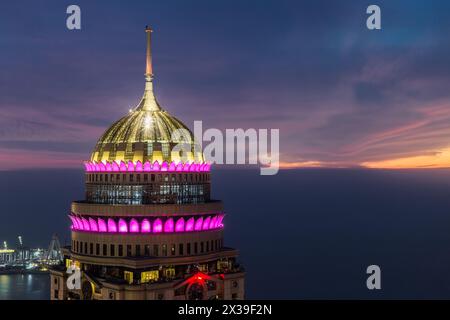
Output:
x,y
54,250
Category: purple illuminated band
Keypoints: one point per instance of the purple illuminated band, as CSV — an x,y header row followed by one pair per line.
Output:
x,y
113,166
146,225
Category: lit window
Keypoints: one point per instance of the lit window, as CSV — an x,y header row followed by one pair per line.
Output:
x,y
128,276
149,276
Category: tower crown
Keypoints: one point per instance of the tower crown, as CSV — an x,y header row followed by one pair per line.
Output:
x,y
146,132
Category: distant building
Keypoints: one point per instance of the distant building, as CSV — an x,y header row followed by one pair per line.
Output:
x,y
148,228
7,256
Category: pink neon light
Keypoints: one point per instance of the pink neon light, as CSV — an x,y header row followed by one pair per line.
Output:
x,y
157,226
168,225
80,223
134,225
74,223
145,226
93,225
123,228
190,224
206,223
145,167
219,221
101,225
112,226
179,226
212,224
199,224
85,224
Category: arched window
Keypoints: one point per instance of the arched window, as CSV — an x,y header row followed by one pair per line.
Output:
x,y
139,167
85,224
80,223
101,225
212,224
157,225
134,225
123,228
74,223
145,226
179,226
130,166
190,224
219,221
112,226
93,225
168,225
199,224
206,223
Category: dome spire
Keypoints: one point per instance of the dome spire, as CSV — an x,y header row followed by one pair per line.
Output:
x,y
149,68
148,102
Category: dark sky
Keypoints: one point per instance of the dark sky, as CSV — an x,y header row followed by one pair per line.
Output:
x,y
340,94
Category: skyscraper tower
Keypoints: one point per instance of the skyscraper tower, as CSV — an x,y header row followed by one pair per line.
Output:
x,y
147,228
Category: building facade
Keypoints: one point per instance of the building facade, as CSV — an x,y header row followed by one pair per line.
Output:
x,y
148,228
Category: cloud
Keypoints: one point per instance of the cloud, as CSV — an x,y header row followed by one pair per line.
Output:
x,y
341,95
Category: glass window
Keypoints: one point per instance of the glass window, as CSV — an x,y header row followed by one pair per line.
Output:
x,y
128,276
138,250
148,276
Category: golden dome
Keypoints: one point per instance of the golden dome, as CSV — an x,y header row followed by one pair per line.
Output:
x,y
147,133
